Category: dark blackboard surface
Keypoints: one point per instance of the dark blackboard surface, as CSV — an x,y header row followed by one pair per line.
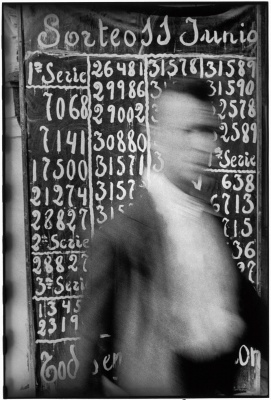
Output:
x,y
91,84
89,29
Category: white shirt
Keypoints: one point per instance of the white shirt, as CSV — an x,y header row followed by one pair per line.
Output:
x,y
203,303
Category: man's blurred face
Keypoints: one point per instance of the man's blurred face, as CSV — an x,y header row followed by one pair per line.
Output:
x,y
186,136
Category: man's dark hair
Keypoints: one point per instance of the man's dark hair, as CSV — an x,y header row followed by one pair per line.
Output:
x,y
195,87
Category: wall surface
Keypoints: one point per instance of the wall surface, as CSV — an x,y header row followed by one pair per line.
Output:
x,y
17,373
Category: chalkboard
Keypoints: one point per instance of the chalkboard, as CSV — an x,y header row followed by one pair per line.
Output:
x,y
92,77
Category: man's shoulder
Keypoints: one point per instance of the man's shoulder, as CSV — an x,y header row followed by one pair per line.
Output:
x,y
140,216
142,210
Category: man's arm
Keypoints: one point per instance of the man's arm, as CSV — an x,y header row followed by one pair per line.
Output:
x,y
96,312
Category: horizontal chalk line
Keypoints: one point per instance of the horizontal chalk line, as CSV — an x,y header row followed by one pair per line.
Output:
x,y
56,87
233,171
79,296
56,340
39,253
62,54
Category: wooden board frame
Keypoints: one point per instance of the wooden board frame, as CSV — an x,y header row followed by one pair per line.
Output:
x,y
31,349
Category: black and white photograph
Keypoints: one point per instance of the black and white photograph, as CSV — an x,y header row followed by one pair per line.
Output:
x,y
135,199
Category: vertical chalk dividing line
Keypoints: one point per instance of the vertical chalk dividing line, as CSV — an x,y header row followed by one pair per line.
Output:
x,y
91,211
147,108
